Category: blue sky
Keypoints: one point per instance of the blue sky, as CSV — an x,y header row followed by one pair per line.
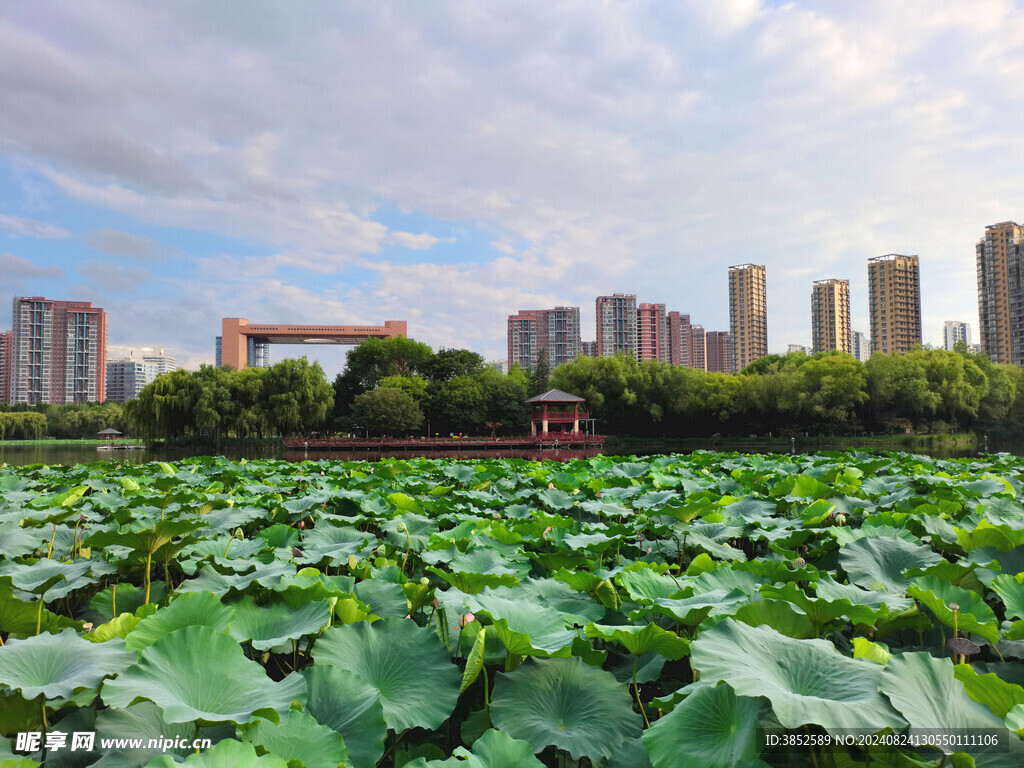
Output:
x,y
451,163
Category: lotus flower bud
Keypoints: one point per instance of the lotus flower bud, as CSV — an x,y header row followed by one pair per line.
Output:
x,y
464,620
382,550
435,603
545,534
425,581
551,486
353,562
302,524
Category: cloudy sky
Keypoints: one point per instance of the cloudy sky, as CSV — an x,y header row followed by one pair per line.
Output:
x,y
451,163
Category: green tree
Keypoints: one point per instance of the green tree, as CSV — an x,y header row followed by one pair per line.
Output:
x,y
829,389
446,364
414,386
387,410
371,361
296,396
541,374
462,403
898,389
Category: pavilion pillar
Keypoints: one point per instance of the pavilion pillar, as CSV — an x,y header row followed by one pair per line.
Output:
x,y
544,421
575,417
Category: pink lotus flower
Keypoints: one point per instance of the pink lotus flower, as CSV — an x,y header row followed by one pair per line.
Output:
x,y
551,486
545,534
464,620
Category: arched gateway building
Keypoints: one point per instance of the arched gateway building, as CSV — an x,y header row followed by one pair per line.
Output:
x,y
238,337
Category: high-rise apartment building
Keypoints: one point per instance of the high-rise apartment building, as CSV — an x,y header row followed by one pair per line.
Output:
x,y
652,332
718,352
589,348
801,348
830,316
861,346
894,286
1000,261
126,378
698,348
557,331
679,339
58,352
954,331
616,324
748,314
6,340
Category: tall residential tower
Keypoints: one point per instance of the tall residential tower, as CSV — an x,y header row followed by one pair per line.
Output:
x,y
830,316
748,314
557,331
58,352
616,325
1000,260
894,286
652,332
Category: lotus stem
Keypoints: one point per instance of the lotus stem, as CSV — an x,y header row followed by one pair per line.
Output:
x,y
814,757
636,692
49,553
487,693
39,616
149,564
956,612
46,725
408,546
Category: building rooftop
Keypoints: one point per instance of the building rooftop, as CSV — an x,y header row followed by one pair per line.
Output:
x,y
555,396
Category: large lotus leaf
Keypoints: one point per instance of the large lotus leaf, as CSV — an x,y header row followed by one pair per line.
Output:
x,y
928,695
143,720
493,749
8,759
265,574
143,538
691,611
224,754
21,541
385,598
407,665
50,577
419,528
18,618
807,681
577,608
525,628
641,640
276,623
334,542
351,706
998,695
189,609
124,598
644,585
879,562
974,614
309,584
826,587
1011,591
819,609
567,704
779,615
710,728
55,665
221,684
299,737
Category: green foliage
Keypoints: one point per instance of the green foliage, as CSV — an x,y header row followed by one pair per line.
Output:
x,y
387,410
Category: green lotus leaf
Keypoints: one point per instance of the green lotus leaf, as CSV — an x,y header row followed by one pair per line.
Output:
x,y
264,574
385,598
974,614
996,694
55,665
224,754
299,737
334,542
493,749
567,704
351,706
189,609
145,539
125,598
880,562
644,585
18,618
8,759
1011,591
711,728
780,615
807,681
119,627
525,628
641,640
44,576
276,623
310,584
576,608
198,673
926,692
826,587
691,611
21,541
407,665
820,610
143,720
473,583
865,649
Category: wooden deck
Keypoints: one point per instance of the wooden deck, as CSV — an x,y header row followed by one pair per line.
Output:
x,y
444,443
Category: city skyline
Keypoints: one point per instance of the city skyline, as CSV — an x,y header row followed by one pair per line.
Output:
x,y
157,156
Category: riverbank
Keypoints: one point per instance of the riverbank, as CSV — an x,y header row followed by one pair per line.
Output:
x,y
81,441
628,445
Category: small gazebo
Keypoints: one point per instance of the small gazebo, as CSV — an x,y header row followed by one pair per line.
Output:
x,y
556,412
109,434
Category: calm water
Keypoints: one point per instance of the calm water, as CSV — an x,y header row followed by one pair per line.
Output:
x,y
70,454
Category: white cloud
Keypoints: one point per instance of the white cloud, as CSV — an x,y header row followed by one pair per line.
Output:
x,y
21,227
118,243
107,277
17,267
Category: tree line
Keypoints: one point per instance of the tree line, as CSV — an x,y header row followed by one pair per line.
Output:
x,y
926,390
79,420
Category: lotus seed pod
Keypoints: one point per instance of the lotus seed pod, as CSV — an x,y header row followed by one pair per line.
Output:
x,y
87,626
799,563
353,562
382,550
954,607
840,520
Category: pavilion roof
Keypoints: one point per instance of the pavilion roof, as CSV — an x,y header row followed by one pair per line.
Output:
x,y
555,396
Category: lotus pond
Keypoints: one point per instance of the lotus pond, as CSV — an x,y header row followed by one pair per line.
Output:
x,y
665,611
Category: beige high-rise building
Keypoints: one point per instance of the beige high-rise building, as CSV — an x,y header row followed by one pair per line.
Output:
x,y
698,347
748,314
1000,257
830,316
894,288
